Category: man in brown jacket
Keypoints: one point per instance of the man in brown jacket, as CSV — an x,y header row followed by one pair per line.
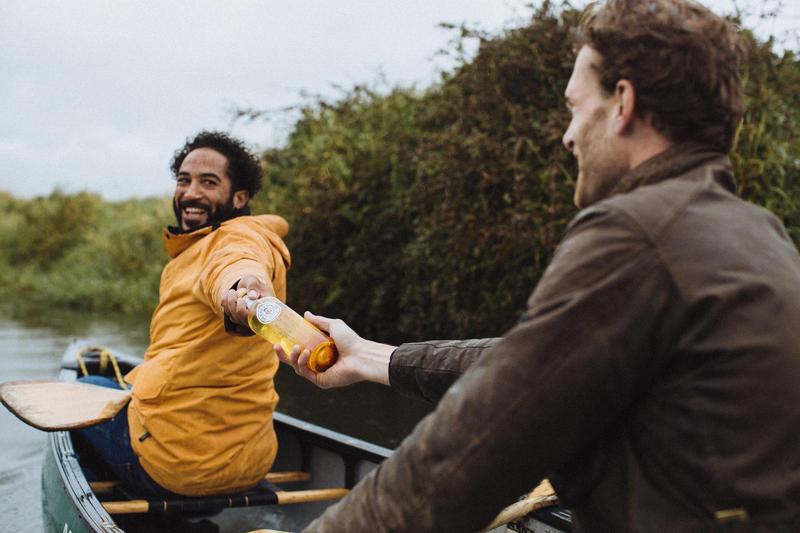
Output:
x,y
655,376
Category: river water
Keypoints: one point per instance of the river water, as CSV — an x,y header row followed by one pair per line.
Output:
x,y
31,346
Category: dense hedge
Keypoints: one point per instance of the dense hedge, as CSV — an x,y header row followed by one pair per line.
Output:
x,y
415,213
432,214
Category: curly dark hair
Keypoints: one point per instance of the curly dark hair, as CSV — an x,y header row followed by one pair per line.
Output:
x,y
243,167
682,59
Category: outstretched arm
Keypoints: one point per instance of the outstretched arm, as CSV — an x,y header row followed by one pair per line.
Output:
x,y
427,369
422,370
536,399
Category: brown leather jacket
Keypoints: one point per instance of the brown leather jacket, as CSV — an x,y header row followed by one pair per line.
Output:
x,y
655,377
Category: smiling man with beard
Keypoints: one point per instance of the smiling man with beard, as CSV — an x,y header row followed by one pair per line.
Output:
x,y
200,418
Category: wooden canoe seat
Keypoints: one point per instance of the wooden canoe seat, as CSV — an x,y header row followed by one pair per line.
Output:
x,y
117,500
103,487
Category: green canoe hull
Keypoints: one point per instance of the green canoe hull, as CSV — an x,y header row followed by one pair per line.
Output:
x,y
68,504
333,459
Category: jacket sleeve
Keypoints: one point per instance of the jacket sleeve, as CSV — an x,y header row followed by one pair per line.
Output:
x,y
427,369
237,254
588,344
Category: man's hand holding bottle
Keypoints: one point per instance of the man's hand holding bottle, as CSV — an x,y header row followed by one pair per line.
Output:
x,y
359,359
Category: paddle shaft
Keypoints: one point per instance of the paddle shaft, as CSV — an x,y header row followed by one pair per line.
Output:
x,y
542,496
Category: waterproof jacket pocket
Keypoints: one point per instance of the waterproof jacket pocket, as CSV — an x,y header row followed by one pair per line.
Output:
x,y
150,381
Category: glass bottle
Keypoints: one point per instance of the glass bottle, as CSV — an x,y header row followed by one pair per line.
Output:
x,y
280,324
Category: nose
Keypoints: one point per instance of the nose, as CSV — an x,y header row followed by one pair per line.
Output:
x,y
192,191
567,139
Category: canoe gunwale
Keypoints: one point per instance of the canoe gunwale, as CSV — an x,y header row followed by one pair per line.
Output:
x,y
76,487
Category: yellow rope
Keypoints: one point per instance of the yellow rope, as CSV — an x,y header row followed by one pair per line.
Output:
x,y
80,360
105,357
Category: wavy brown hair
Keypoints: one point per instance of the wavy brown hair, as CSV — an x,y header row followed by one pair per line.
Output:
x,y
682,59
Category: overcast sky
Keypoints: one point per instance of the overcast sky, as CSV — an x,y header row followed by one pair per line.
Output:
x,y
96,95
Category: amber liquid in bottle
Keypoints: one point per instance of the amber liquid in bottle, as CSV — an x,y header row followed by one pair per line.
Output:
x,y
280,324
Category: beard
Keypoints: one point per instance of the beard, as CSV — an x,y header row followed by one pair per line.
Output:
x,y
600,165
601,171
220,212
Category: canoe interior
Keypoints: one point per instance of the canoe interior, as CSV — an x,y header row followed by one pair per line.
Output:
x,y
334,460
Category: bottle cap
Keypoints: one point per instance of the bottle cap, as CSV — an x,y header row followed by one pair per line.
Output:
x,y
322,356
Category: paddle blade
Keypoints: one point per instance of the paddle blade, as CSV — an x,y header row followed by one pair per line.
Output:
x,y
61,405
542,496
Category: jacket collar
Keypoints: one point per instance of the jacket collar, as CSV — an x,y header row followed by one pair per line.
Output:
x,y
675,161
177,242
177,239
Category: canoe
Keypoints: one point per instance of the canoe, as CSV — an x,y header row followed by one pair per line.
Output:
x,y
310,458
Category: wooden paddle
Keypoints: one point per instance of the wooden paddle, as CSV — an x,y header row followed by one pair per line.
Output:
x,y
61,405
542,496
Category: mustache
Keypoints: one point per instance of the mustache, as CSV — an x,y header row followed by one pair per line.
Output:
x,y
194,203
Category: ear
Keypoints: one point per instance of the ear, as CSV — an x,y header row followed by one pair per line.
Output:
x,y
625,106
240,199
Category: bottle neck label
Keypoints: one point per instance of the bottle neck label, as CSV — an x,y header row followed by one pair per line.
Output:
x,y
267,312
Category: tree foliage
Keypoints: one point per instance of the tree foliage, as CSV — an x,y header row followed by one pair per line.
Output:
x,y
433,214
766,156
414,213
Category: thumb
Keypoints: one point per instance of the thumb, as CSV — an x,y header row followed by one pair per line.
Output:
x,y
323,323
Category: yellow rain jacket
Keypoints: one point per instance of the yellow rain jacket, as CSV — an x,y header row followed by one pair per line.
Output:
x,y
200,416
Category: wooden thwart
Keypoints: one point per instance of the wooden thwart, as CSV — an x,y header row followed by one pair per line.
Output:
x,y
280,498
104,487
61,405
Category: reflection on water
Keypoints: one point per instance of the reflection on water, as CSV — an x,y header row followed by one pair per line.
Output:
x,y
31,345
21,455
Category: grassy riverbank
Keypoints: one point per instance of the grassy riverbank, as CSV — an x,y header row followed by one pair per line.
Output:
x,y
81,252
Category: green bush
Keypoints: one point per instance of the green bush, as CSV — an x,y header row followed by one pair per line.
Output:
x,y
78,251
421,214
766,156
414,213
